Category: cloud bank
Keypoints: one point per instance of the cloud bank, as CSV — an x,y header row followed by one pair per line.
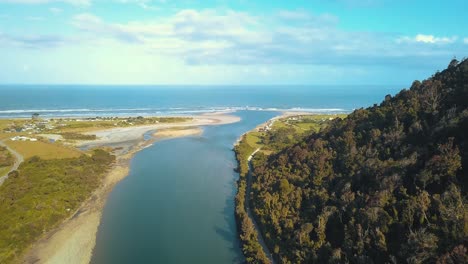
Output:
x,y
72,2
79,40
286,37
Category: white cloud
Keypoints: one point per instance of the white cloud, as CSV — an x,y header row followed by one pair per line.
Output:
x,y
428,39
425,38
35,41
294,15
85,18
72,2
93,24
208,37
35,18
230,37
432,39
55,10
361,3
307,17
211,36
145,4
188,26
214,46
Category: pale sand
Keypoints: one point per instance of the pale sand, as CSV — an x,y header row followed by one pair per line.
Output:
x,y
174,133
74,240
128,134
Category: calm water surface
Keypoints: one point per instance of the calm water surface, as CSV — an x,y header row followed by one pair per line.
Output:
x,y
177,204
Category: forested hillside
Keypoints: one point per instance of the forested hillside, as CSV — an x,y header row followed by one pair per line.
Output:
x,y
387,184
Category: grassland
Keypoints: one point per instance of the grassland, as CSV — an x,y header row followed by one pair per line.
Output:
x,y
77,125
43,193
87,125
4,170
254,138
4,123
70,130
6,161
304,123
43,150
288,130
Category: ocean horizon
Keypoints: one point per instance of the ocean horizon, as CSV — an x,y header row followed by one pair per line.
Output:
x,y
21,101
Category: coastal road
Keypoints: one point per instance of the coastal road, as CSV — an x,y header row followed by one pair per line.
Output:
x,y
249,210
18,160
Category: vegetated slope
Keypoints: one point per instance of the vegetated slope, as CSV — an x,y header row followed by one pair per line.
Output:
x,y
388,184
284,132
41,194
6,160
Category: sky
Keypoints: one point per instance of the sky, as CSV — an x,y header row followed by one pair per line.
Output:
x,y
238,42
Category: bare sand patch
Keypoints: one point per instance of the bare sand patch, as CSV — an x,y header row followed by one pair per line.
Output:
x,y
119,135
177,132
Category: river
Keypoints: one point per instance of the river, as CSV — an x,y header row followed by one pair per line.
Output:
x,y
177,204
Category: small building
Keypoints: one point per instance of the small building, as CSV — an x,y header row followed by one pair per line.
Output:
x,y
22,138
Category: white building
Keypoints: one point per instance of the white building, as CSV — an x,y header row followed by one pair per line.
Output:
x,y
21,138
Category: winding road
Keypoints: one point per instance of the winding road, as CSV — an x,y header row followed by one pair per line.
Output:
x,y
249,210
18,160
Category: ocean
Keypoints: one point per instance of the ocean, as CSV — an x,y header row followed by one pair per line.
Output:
x,y
91,101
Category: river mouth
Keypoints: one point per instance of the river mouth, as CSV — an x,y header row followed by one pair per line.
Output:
x,y
177,203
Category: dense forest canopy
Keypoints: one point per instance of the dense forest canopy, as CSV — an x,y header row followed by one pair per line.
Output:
x,y
387,184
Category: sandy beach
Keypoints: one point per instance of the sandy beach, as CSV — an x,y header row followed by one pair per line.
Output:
x,y
177,132
74,239
126,137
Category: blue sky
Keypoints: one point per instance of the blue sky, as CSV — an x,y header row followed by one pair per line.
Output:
x,y
228,42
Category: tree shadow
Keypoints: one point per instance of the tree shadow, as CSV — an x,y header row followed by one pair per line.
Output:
x,y
230,233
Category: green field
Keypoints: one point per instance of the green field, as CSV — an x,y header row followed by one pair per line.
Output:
x,y
6,160
305,123
75,125
4,170
42,194
254,138
43,150
286,131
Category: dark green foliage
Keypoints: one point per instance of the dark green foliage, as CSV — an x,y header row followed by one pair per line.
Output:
x,y
251,248
388,184
41,194
279,138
